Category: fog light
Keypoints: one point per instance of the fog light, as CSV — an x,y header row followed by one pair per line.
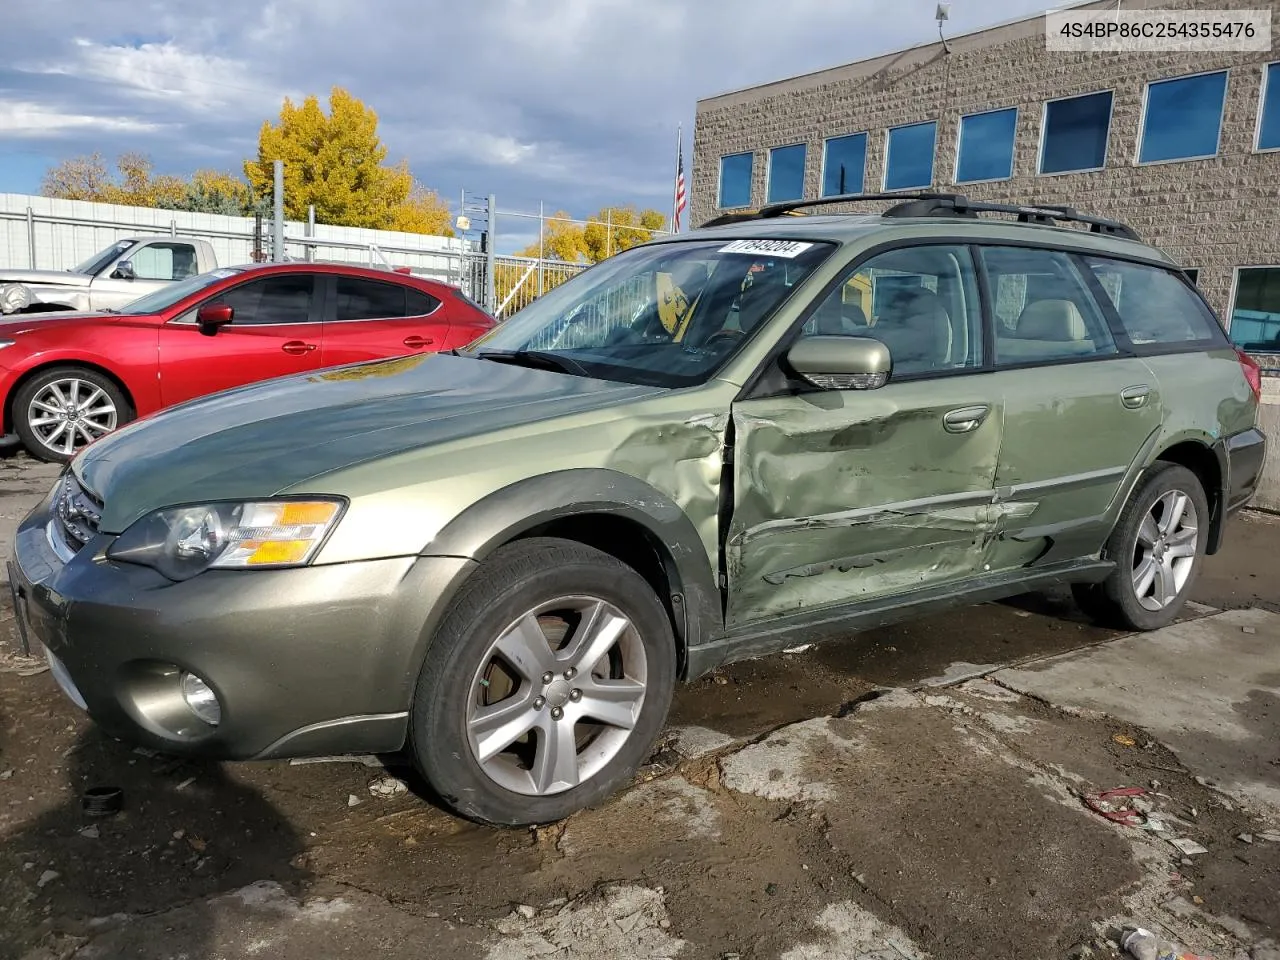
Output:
x,y
201,699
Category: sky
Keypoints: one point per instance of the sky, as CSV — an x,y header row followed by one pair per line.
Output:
x,y
572,103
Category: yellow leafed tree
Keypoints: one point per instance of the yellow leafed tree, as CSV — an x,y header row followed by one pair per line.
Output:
x,y
610,231
337,162
422,212
134,183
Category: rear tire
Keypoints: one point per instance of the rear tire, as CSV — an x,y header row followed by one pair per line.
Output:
x,y
67,407
1158,547
546,685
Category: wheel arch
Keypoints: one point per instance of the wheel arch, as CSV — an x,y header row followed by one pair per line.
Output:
x,y
35,371
613,512
1207,460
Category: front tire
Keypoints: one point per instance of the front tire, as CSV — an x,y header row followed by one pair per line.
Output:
x,y
546,685
1158,546
62,410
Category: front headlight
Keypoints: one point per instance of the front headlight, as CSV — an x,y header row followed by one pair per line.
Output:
x,y
181,542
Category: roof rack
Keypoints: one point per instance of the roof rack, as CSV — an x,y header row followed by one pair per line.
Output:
x,y
941,205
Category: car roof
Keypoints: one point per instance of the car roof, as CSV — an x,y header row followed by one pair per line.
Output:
x,y
336,267
1084,233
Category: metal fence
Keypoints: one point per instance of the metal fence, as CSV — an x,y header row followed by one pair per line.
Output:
x,y
51,234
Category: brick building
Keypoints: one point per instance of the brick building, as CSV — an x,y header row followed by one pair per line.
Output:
x,y
1185,147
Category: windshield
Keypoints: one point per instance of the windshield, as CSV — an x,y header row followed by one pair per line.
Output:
x,y
100,260
171,293
668,314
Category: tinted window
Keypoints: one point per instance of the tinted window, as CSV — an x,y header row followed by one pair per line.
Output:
x,y
909,156
786,173
368,300
986,146
1075,133
843,164
164,261
1269,121
1193,274
735,180
1255,315
921,302
1043,310
1183,118
1154,305
282,299
419,304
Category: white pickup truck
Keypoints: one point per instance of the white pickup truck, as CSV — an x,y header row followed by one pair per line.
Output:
x,y
109,279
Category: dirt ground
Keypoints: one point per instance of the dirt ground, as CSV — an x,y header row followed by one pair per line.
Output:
x,y
867,798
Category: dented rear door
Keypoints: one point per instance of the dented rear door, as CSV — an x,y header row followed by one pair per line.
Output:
x,y
855,495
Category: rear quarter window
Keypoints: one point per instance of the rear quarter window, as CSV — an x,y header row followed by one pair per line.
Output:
x,y
1156,308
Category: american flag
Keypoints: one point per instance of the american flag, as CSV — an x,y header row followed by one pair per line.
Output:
x,y
682,199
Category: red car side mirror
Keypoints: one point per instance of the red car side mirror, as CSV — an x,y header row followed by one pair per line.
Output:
x,y
212,316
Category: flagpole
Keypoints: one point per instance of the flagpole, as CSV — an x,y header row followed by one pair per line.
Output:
x,y
675,183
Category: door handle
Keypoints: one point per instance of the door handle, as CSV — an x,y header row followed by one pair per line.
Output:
x,y
1135,397
417,343
965,420
297,347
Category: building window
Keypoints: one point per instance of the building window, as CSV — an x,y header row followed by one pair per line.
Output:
x,y
1269,109
1183,118
909,156
735,180
1255,314
786,173
1075,133
843,161
985,151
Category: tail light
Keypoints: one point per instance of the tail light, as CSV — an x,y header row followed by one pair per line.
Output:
x,y
1252,373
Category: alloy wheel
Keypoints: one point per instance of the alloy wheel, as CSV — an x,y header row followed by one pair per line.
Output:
x,y
69,413
556,696
1165,553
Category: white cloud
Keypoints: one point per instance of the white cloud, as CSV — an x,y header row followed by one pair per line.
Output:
x,y
574,102
184,79
33,120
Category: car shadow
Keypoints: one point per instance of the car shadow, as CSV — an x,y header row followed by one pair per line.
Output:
x,y
185,832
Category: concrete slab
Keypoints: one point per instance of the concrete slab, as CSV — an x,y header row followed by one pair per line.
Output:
x,y
1209,689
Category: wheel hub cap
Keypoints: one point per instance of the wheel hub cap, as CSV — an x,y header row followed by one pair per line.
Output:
x,y
556,696
558,692
1165,553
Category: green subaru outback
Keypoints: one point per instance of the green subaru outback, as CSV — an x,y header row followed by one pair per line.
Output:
x,y
766,431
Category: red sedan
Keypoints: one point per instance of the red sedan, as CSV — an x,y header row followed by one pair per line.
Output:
x,y
68,379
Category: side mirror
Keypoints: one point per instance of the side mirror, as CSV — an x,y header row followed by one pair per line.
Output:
x,y
841,363
212,316
124,271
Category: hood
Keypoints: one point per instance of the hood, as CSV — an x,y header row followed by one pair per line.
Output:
x,y
259,440
53,278
14,323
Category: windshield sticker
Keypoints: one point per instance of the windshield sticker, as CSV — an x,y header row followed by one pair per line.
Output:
x,y
223,272
774,248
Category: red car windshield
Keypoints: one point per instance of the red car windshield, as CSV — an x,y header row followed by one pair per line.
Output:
x,y
164,298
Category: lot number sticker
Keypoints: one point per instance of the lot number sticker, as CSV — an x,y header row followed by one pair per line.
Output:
x,y
773,248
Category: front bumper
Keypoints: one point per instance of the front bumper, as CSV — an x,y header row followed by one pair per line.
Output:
x,y
308,661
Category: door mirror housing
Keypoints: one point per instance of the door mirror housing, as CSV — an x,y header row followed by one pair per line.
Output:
x,y
212,316
124,271
841,363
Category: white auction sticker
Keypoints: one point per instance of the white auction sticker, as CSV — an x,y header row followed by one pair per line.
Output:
x,y
773,248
